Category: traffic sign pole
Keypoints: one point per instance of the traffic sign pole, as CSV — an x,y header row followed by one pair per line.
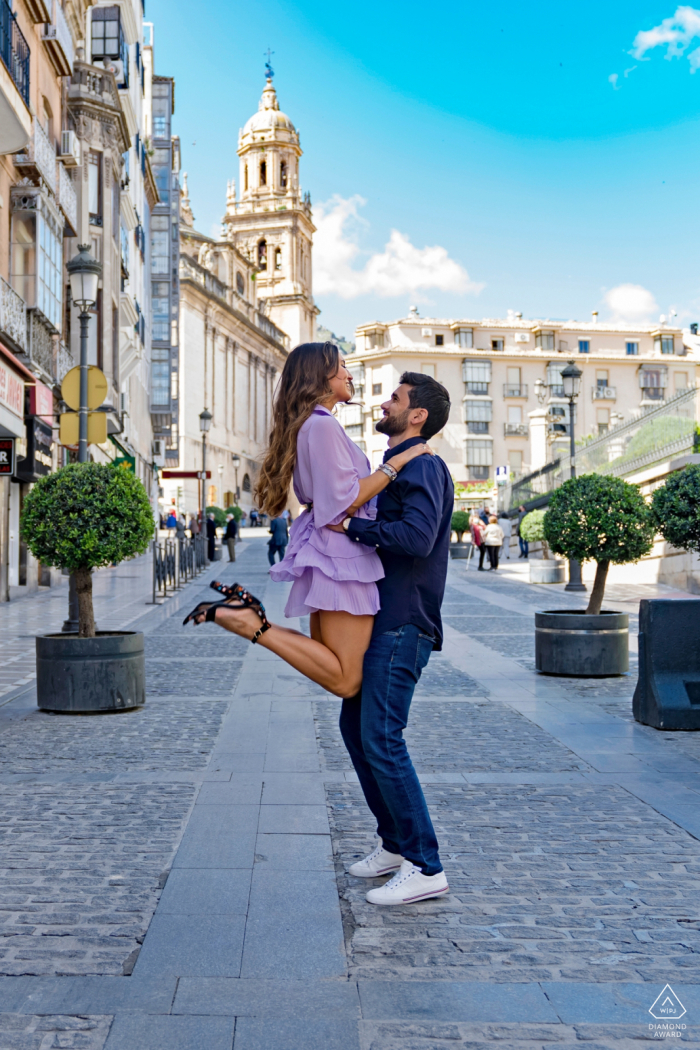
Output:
x,y
83,410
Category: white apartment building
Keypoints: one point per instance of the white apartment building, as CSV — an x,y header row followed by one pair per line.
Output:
x,y
508,408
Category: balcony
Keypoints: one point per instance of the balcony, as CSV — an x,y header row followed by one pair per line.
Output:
x,y
556,390
67,199
515,429
519,390
58,42
39,158
42,343
64,361
13,316
14,50
603,393
477,388
557,429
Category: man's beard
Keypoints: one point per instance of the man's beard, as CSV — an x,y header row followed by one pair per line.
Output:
x,y
393,425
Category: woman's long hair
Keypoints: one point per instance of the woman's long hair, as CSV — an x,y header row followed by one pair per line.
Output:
x,y
303,385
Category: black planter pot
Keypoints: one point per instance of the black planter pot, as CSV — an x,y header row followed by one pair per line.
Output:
x,y
83,675
460,550
668,690
576,643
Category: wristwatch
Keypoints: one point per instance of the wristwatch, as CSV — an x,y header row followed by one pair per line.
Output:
x,y
346,524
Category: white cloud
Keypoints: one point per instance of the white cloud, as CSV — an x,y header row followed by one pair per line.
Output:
x,y
612,79
631,304
675,34
400,269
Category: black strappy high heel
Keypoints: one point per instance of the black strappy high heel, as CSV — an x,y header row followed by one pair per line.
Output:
x,y
235,591
247,601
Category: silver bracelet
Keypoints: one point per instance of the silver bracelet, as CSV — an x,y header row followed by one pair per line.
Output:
x,y
389,471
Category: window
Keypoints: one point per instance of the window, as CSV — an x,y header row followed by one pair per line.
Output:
x,y
95,187
496,344
263,173
161,311
663,344
464,337
428,369
584,346
160,376
246,483
240,283
603,420
125,252
115,344
477,416
278,258
476,371
115,208
161,111
37,259
262,255
545,340
680,381
513,377
439,340
653,383
108,45
161,164
283,175
377,412
376,389
601,380
515,414
49,287
553,379
245,177
160,244
632,349
479,453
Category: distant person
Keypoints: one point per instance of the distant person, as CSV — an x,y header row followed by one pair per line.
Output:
x,y
211,536
524,545
231,535
493,540
277,544
194,525
476,527
507,526
171,523
180,528
254,518
484,515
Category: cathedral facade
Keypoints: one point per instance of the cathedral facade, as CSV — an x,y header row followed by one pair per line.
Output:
x,y
245,301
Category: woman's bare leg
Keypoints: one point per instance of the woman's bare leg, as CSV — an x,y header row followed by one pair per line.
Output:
x,y
332,656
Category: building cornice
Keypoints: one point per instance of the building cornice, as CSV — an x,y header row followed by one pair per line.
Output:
x,y
215,300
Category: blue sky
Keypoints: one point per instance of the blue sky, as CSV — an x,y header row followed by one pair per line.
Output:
x,y
535,157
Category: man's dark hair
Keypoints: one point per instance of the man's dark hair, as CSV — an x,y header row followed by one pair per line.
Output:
x,y
426,392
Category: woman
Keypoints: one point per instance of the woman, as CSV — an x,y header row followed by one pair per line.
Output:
x,y
493,539
477,531
333,579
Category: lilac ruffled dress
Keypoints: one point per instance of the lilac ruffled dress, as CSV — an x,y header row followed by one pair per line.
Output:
x,y
327,570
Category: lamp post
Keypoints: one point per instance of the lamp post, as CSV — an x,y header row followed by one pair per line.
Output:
x,y
236,460
205,419
84,273
571,381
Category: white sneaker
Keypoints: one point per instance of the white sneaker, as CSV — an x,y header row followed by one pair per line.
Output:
x,y
408,886
379,862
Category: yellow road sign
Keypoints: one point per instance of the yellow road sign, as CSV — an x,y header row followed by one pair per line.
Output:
x,y
97,387
70,428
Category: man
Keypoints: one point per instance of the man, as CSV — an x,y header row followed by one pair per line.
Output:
x,y
524,545
211,536
230,536
277,544
412,535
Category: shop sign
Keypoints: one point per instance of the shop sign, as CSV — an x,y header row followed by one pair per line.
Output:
x,y
41,401
38,462
7,456
11,390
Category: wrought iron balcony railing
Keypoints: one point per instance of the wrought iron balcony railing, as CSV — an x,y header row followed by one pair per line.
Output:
x,y
14,50
39,156
515,429
13,315
67,198
515,389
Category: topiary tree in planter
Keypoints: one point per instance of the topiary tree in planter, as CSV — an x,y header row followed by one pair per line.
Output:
x,y
85,516
676,509
532,530
460,524
219,515
600,518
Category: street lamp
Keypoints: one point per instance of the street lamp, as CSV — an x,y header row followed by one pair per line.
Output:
x,y
84,272
236,460
571,381
205,419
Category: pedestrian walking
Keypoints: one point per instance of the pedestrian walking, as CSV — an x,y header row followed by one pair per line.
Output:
x,y
180,528
211,536
524,545
493,540
254,518
507,526
171,522
348,648
277,544
477,530
484,515
194,525
231,535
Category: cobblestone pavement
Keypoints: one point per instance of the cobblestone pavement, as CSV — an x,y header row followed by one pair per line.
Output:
x,y
173,878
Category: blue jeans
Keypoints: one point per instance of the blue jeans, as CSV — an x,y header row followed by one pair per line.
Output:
x,y
372,725
524,547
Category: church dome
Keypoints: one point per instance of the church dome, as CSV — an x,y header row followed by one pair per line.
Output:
x,y
269,116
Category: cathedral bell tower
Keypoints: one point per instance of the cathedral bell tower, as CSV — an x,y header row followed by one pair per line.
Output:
x,y
271,222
